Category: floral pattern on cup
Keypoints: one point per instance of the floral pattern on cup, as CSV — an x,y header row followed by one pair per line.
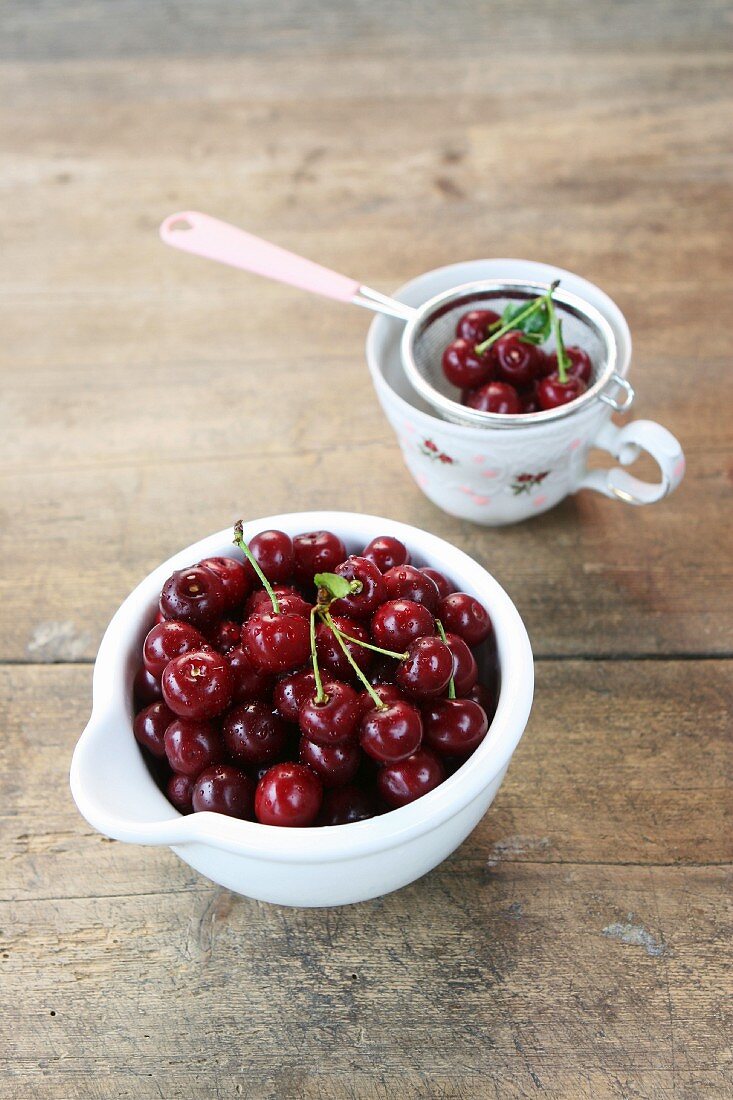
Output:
x,y
433,452
526,483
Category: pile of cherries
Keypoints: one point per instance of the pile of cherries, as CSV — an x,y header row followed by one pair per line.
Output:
x,y
500,366
301,686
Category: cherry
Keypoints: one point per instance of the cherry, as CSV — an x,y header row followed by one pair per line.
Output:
x,y
223,789
485,698
234,578
494,397
386,551
529,402
363,603
405,582
545,363
146,688
398,622
474,325
454,727
194,596
391,733
197,684
427,669
316,552
179,791
192,745
551,392
288,599
288,794
516,360
464,368
580,365
293,691
253,734
465,669
383,670
273,552
388,693
409,779
226,636
167,640
441,582
345,805
334,765
464,615
150,725
330,654
332,720
248,681
276,643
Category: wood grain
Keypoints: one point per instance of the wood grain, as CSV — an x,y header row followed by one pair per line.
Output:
x,y
578,944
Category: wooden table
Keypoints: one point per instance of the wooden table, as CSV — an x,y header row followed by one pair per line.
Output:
x,y
578,944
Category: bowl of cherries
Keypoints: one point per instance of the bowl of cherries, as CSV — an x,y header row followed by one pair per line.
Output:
x,y
311,709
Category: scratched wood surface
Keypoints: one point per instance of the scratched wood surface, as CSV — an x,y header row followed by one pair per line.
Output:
x,y
578,944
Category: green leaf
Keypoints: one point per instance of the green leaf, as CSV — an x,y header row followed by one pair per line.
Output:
x,y
336,586
536,326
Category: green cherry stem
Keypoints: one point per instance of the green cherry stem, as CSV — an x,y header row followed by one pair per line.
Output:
x,y
320,693
510,325
452,684
239,541
562,359
326,616
374,648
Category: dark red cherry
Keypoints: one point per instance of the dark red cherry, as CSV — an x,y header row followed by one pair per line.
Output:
x,y
545,363
409,779
465,669
192,745
253,734
529,402
194,596
474,325
392,733
334,765
179,791
464,615
485,698
288,599
276,643
405,582
333,720
168,640
516,360
386,551
146,688
316,552
345,805
223,789
495,397
388,693
290,795
361,604
551,392
331,656
150,725
427,669
198,684
454,727
398,622
440,581
292,691
464,368
273,552
234,578
226,635
248,681
580,364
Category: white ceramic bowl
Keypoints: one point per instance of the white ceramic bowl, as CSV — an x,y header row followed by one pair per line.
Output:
x,y
308,867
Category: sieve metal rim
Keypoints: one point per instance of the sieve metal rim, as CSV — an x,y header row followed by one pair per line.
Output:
x,y
480,289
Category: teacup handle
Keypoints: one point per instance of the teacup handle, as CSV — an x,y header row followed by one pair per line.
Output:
x,y
625,444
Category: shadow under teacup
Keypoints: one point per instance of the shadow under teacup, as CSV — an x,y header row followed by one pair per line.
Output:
x,y
502,472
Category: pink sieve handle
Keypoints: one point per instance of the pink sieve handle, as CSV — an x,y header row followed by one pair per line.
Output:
x,y
205,236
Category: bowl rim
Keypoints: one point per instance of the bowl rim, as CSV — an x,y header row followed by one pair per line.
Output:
x,y
111,708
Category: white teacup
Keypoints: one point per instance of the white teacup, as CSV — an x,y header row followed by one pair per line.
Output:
x,y
496,476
